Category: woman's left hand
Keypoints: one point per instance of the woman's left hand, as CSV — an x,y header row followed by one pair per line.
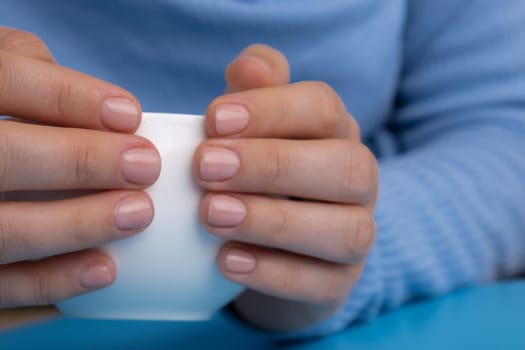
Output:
x,y
291,187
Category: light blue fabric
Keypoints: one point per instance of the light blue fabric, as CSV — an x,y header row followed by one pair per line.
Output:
x,y
437,86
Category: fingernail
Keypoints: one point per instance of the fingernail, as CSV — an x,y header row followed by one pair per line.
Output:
x,y
119,114
230,118
95,276
225,211
259,60
132,213
218,164
239,261
140,165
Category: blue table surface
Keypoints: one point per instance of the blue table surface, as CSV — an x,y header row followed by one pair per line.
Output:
x,y
489,317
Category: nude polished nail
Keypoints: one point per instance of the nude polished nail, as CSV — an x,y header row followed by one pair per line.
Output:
x,y
226,211
230,118
95,276
218,164
239,261
132,213
140,165
119,114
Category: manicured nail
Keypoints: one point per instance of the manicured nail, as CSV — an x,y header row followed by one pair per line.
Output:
x,y
132,213
230,118
258,60
140,165
119,114
239,261
224,211
95,276
218,164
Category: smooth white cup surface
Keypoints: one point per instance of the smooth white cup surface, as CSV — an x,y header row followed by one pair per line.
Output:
x,y
169,271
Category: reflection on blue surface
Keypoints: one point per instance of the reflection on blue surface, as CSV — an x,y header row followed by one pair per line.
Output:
x,y
484,318
491,317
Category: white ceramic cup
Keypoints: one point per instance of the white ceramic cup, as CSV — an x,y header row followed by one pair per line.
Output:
x,y
169,271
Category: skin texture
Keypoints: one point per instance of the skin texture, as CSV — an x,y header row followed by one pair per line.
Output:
x,y
288,184
72,148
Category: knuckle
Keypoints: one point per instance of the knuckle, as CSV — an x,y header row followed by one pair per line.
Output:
x,y
64,96
281,107
83,164
279,227
359,174
42,289
277,165
11,154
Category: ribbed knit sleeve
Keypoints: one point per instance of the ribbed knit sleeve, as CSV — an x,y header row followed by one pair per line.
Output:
x,y
451,210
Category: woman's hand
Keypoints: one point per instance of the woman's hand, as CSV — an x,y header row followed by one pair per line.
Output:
x,y
291,185
43,256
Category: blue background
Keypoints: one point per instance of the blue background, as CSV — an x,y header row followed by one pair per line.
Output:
x,y
490,317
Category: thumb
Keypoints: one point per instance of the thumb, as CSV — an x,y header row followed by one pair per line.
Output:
x,y
257,66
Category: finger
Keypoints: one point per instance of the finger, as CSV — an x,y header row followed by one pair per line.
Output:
x,y
285,275
257,66
54,279
35,157
327,170
31,230
331,232
25,44
302,110
50,94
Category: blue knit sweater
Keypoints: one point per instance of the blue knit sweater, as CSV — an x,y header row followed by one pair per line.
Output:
x,y
437,86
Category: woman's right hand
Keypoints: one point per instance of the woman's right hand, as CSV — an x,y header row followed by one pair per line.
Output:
x,y
80,138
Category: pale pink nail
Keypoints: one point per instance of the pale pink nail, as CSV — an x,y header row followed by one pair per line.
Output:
x,y
95,276
230,118
119,114
239,261
258,60
225,211
132,213
140,165
218,164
